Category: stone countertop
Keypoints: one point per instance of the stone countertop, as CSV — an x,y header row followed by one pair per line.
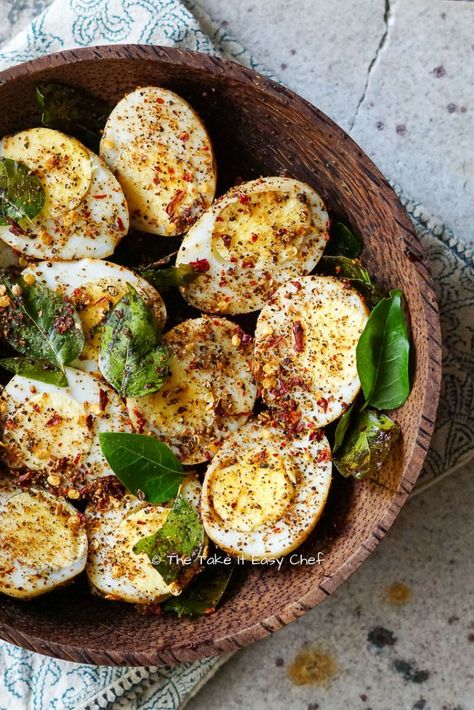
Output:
x,y
400,633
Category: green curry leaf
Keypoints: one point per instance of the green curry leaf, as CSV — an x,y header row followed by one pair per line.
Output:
x,y
39,323
132,357
147,467
169,277
35,370
341,429
204,593
73,111
383,355
343,242
353,271
21,193
177,544
368,444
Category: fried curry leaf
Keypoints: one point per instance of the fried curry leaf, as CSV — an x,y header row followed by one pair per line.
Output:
x,y
73,111
177,544
383,355
353,271
39,323
367,445
204,593
21,193
35,370
169,277
341,429
343,242
147,467
132,357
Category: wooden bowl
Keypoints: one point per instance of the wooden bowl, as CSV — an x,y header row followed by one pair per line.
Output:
x,y
258,128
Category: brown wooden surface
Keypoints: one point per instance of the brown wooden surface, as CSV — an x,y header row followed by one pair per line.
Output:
x,y
258,128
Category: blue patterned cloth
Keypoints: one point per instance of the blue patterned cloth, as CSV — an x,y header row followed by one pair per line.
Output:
x,y
34,682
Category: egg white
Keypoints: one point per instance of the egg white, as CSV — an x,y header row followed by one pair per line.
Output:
x,y
209,392
255,238
85,213
54,430
159,149
94,287
315,385
113,569
44,541
264,492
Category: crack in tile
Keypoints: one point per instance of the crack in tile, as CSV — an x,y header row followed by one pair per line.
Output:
x,y
387,16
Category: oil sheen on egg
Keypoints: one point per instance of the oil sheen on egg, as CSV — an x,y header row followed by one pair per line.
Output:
x,y
44,541
210,390
257,237
305,350
263,492
53,431
85,213
94,287
159,149
113,568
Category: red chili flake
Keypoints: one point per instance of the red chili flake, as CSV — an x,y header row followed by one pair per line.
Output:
x,y
120,224
324,455
248,264
103,399
246,339
77,458
54,420
160,101
254,237
316,434
226,238
156,180
63,324
187,176
298,336
323,403
15,228
174,202
273,341
297,285
244,199
200,265
25,477
141,421
99,197
184,137
89,421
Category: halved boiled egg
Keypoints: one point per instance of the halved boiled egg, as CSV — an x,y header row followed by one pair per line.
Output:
x,y
263,492
43,541
255,238
305,350
53,431
113,568
85,213
210,390
160,152
94,287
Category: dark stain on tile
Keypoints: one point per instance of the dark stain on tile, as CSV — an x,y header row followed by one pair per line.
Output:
x,y
292,52
279,662
380,125
381,637
284,66
363,697
401,129
408,671
463,109
452,619
313,706
439,71
470,638
452,108
420,704
313,666
398,594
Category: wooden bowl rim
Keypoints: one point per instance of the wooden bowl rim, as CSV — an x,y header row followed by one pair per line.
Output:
x,y
427,411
